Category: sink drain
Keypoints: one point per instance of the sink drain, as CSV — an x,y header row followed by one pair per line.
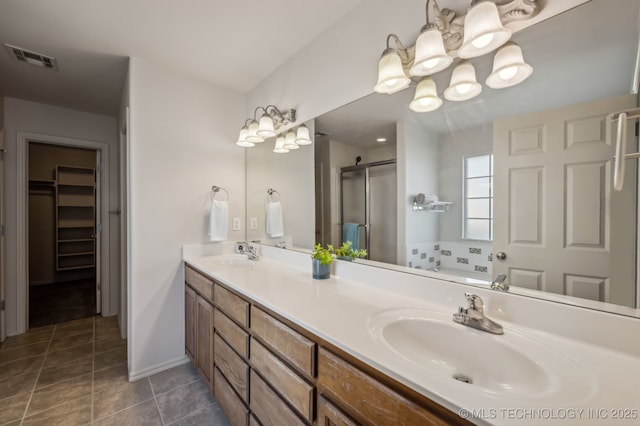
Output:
x,y
462,378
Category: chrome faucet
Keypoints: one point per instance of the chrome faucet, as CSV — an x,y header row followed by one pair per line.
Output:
x,y
249,249
473,316
500,283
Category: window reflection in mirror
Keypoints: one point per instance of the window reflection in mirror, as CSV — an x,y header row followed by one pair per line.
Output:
x,y
548,203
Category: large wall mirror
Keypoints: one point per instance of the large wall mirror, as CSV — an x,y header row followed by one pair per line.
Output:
x,y
516,181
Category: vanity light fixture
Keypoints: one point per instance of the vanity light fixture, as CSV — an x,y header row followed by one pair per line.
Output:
x,y
271,120
302,135
279,145
483,30
290,140
463,84
509,67
439,43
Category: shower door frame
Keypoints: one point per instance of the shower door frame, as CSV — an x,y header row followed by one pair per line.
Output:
x,y
367,198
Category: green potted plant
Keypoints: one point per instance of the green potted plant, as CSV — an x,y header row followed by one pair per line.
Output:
x,y
322,258
347,252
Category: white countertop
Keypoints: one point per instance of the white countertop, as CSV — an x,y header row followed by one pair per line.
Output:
x,y
602,384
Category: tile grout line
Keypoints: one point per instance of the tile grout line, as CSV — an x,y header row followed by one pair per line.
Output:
x,y
155,399
33,390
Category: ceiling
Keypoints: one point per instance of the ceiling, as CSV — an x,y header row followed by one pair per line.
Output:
x,y
232,44
586,53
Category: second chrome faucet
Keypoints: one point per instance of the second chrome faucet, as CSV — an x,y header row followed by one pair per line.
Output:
x,y
473,316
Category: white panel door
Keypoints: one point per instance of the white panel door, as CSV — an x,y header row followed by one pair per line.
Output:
x,y
557,220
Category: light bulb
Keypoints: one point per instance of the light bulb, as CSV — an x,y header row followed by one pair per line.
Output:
x,y
463,88
508,73
425,101
482,41
391,82
431,63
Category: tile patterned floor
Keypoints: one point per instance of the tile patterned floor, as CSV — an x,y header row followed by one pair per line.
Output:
x,y
75,373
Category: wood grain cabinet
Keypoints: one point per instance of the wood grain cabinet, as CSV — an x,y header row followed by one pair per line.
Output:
x,y
199,323
265,370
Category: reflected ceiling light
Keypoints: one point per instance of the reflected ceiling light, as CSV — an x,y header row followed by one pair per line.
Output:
x,y
441,42
265,128
290,140
302,135
483,30
381,140
463,85
242,138
426,98
279,145
509,67
391,74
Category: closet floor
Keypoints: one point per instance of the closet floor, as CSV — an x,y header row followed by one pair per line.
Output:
x,y
61,302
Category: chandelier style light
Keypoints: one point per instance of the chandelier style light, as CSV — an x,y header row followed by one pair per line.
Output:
x,y
479,32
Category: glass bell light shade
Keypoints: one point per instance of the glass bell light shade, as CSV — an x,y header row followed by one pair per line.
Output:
x,y
509,68
463,85
265,128
431,55
279,146
252,134
302,135
483,31
242,138
290,140
391,76
426,98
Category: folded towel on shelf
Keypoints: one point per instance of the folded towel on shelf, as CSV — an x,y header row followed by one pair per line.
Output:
x,y
351,232
219,220
274,222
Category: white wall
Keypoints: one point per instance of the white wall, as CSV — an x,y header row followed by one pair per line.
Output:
x,y
421,176
290,174
453,148
341,65
32,117
182,141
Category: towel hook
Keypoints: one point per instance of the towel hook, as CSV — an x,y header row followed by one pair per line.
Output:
x,y
215,189
272,191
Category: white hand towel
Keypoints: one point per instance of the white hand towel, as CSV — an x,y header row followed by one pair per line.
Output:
x,y
274,223
219,220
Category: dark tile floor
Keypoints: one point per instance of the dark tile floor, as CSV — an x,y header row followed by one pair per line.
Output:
x,y
75,373
61,302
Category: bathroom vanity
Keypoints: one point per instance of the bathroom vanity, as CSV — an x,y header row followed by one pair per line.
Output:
x,y
278,348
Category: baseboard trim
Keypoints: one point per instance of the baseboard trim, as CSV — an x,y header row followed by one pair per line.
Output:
x,y
137,375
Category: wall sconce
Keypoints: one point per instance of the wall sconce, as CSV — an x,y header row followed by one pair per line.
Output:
x,y
441,42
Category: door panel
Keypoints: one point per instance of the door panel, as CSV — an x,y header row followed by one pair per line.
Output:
x,y
556,217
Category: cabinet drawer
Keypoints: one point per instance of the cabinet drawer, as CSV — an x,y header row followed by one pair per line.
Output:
x,y
232,305
367,397
233,408
232,366
286,342
237,338
330,415
268,407
199,282
295,390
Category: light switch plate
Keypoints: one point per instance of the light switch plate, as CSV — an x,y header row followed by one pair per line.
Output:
x,y
253,223
236,224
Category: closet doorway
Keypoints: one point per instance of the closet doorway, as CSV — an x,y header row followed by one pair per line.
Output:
x,y
62,234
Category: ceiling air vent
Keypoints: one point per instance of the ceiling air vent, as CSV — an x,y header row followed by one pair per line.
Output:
x,y
31,57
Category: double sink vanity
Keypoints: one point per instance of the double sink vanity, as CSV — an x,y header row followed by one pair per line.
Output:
x,y
380,346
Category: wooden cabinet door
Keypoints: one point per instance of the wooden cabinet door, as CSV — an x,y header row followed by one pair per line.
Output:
x,y
330,415
190,323
204,340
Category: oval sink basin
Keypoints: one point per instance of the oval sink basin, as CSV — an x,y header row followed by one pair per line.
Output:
x,y
504,366
237,260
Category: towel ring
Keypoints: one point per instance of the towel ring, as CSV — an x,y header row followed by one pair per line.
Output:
x,y
215,189
272,191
